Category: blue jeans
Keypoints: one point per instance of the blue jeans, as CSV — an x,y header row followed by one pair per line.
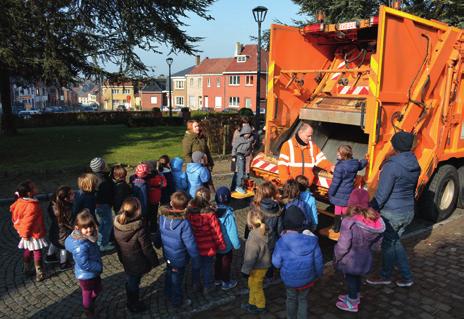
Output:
x,y
205,271
393,252
354,285
105,219
133,282
173,285
240,162
297,303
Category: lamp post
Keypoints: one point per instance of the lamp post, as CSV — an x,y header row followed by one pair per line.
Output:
x,y
169,62
259,13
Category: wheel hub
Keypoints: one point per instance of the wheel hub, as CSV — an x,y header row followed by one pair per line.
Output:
x,y
447,195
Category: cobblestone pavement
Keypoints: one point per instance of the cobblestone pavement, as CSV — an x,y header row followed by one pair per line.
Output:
x,y
437,263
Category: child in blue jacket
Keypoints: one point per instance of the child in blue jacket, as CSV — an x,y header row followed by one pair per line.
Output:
x,y
180,177
82,244
178,245
291,197
299,258
307,197
197,173
226,217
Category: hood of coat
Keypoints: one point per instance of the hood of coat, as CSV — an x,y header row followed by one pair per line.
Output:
x,y
301,244
131,227
407,160
176,164
350,165
270,208
21,202
223,211
193,168
376,227
172,218
246,129
77,235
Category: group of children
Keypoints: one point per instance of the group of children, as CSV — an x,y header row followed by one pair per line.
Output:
x,y
193,229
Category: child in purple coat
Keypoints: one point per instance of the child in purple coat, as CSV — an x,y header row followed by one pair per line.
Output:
x,y
360,231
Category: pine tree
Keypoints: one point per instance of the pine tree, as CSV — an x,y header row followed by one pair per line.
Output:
x,y
59,41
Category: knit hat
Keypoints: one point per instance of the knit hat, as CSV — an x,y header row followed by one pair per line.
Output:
x,y
142,170
97,165
197,156
293,218
246,129
402,141
359,197
268,205
222,195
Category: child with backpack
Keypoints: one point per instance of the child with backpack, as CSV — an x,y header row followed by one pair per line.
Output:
x,y
82,244
291,197
60,214
197,173
307,197
226,217
135,250
28,221
256,261
178,244
208,235
156,183
298,256
361,230
179,176
342,185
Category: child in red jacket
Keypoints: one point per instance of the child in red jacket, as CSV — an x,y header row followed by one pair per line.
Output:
x,y
208,235
155,184
27,218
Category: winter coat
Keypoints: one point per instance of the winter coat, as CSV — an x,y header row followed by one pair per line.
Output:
x,y
309,199
257,254
207,230
170,188
177,238
105,189
397,184
179,176
243,145
83,200
27,218
273,219
229,231
299,258
86,255
140,190
134,247
249,157
343,180
195,142
122,191
352,253
197,176
59,230
306,209
156,185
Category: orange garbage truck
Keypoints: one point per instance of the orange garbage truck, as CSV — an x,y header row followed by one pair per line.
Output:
x,y
358,83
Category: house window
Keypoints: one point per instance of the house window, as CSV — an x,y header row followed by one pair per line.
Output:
x,y
218,83
234,80
218,101
209,82
179,101
154,100
248,102
199,83
241,58
191,101
115,91
249,80
179,85
234,101
125,91
191,83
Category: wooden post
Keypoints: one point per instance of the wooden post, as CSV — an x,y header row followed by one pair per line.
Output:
x,y
225,137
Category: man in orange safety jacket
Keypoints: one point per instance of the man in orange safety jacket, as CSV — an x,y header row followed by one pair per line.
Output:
x,y
299,155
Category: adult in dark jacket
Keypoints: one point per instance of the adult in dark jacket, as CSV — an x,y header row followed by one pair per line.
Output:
x,y
135,250
395,201
194,140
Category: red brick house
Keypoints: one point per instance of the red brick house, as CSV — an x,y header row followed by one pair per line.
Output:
x,y
153,94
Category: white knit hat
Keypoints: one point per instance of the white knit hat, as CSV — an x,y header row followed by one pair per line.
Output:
x,y
97,165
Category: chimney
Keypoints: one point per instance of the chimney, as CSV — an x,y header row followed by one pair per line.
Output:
x,y
238,48
197,60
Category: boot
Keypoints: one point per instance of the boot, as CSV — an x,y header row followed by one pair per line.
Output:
x,y
39,272
90,312
27,269
337,223
134,304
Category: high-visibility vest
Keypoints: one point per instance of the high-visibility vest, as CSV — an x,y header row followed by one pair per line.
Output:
x,y
295,159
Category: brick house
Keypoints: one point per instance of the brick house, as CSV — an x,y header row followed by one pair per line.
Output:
x,y
179,88
154,94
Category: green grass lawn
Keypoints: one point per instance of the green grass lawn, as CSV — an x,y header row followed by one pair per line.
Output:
x,y
60,148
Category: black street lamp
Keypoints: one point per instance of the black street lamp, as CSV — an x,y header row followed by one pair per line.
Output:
x,y
169,62
259,13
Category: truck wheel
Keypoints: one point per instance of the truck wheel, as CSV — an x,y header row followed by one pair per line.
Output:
x,y
461,187
440,198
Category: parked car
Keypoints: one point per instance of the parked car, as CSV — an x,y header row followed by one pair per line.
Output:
x,y
121,108
27,114
229,110
87,109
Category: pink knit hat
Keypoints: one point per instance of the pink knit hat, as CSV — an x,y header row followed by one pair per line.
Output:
x,y
142,170
359,197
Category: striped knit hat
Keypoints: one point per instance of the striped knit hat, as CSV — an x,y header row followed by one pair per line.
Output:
x,y
97,165
142,170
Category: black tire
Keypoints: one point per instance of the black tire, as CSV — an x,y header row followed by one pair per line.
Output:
x,y
435,204
461,187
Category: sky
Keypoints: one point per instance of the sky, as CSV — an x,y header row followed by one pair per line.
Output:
x,y
233,23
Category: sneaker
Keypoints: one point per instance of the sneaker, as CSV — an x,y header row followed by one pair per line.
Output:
x,y
348,305
51,259
107,247
256,310
187,303
378,281
218,282
404,283
343,297
66,266
229,285
240,190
